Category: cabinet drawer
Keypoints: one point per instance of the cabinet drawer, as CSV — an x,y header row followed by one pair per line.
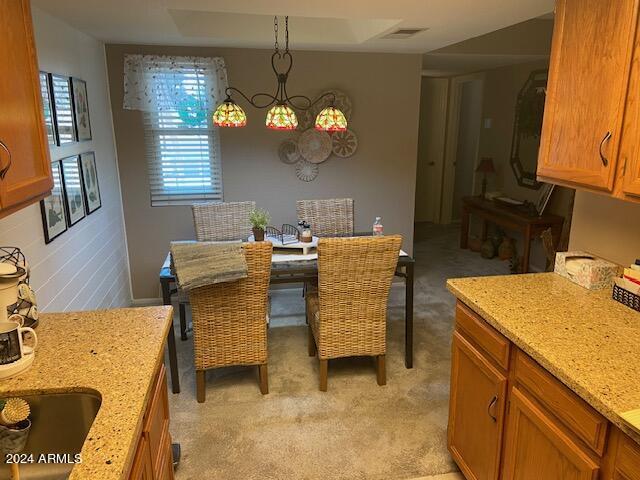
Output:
x,y
156,422
574,413
628,460
481,333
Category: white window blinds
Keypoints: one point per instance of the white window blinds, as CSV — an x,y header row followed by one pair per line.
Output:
x,y
182,146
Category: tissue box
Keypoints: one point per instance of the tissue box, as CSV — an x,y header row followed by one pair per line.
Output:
x,y
586,270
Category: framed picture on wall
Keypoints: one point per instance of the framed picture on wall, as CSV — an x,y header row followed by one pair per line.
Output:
x,y
47,106
54,218
73,192
63,109
90,182
81,109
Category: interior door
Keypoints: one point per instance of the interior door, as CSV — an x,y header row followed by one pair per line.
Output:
x,y
431,143
476,411
588,78
537,448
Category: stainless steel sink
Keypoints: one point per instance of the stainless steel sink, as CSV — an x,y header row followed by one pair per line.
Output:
x,y
59,425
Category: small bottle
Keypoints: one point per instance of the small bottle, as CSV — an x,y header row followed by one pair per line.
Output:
x,y
377,226
306,236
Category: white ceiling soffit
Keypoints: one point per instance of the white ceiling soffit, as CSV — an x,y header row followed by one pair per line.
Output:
x,y
255,28
338,25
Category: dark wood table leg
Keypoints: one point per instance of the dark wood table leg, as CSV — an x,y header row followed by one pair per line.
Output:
x,y
171,341
464,228
408,317
485,230
527,250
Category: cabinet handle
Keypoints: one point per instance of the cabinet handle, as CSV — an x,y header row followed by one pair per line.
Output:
x,y
4,171
606,138
492,403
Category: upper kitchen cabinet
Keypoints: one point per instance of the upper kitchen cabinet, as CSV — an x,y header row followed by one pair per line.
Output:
x,y
586,93
589,73
25,168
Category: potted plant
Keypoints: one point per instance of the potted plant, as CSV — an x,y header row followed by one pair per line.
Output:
x,y
259,220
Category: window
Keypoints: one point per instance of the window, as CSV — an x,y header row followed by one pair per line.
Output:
x,y
182,146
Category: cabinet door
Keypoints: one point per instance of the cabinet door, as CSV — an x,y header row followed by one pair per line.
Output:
x,y
27,167
588,78
537,448
142,469
476,411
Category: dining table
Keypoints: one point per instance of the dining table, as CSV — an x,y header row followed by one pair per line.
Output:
x,y
293,268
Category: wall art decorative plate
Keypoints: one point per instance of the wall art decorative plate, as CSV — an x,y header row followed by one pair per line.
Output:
x,y
314,145
344,143
288,151
306,119
305,171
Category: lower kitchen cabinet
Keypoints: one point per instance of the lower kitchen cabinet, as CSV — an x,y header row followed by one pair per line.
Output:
x,y
478,391
511,419
154,458
536,447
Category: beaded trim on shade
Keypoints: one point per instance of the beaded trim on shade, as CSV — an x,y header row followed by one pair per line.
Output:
x,y
229,114
331,120
281,117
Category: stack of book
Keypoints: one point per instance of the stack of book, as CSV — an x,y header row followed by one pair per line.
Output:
x,y
627,288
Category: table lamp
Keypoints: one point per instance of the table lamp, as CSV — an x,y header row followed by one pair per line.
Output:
x,y
485,166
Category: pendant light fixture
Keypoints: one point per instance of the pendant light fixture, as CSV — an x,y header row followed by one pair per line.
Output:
x,y
281,114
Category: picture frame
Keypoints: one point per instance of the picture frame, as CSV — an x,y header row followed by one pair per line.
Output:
x,y
73,189
543,197
63,109
81,109
54,218
47,106
90,182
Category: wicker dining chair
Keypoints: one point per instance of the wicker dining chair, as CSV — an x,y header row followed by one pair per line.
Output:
x,y
216,222
328,218
229,320
347,315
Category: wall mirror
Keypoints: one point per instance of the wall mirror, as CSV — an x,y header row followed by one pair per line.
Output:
x,y
527,127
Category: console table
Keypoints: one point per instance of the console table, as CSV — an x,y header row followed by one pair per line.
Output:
x,y
510,218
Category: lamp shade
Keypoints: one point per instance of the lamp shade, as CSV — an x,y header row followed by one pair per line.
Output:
x,y
281,117
229,114
331,119
486,165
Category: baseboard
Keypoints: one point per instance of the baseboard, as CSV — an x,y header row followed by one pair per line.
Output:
x,y
146,302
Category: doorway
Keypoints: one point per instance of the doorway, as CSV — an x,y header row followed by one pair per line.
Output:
x,y
467,143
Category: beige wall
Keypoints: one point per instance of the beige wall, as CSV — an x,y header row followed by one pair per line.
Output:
x,y
86,267
380,177
606,227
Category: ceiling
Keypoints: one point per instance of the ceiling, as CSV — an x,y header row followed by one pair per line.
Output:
x,y
337,25
524,42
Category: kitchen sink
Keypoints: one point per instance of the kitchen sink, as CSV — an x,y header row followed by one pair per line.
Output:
x,y
59,425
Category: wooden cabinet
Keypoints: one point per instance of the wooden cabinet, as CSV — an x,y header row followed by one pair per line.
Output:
x,y
476,413
154,458
511,419
25,169
536,447
591,99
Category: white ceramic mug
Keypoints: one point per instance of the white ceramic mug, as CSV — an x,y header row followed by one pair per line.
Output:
x,y
12,347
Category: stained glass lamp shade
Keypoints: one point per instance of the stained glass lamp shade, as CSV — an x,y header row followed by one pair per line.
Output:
x,y
229,114
281,117
331,120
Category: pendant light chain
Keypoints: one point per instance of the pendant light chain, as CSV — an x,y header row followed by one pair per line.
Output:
x,y
286,31
275,31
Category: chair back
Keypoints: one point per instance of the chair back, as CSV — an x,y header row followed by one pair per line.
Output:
x,y
215,222
229,319
354,279
329,217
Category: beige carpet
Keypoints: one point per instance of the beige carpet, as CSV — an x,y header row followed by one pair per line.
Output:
x,y
356,430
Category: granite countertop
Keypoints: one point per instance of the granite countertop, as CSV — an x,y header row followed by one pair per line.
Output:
x,y
112,352
588,341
